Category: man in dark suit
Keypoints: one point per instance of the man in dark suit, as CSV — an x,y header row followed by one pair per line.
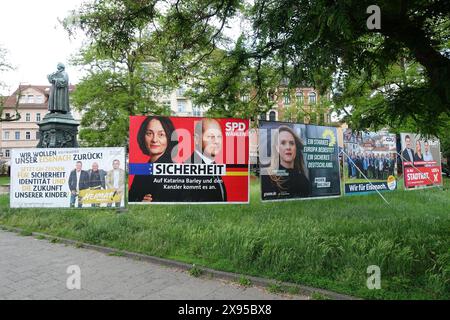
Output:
x,y
78,180
349,165
372,166
377,167
408,153
359,166
392,164
208,142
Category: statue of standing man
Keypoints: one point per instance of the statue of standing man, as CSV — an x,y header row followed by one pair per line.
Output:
x,y
58,100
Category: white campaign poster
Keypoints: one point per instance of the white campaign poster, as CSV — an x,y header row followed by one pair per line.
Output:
x,y
68,177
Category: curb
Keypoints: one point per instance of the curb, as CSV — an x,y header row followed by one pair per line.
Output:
x,y
222,275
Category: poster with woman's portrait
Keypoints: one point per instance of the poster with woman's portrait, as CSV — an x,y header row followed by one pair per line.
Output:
x,y
188,160
421,160
298,161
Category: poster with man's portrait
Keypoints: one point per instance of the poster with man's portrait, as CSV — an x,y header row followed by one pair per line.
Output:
x,y
370,162
188,160
298,161
421,160
68,178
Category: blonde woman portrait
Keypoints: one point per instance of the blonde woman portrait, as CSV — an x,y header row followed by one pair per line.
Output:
x,y
286,175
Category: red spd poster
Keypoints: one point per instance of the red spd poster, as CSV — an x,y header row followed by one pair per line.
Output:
x,y
188,160
421,159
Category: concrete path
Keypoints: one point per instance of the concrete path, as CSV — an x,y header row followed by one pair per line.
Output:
x,y
37,269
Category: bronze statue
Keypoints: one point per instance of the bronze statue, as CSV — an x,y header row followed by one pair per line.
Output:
x,y
58,100
58,129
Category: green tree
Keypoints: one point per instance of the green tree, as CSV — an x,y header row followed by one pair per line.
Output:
x,y
229,89
122,79
315,41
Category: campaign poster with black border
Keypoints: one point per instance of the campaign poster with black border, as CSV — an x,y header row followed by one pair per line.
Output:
x,y
68,178
370,162
298,161
188,160
421,160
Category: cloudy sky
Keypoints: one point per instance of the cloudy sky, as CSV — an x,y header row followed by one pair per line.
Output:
x,y
35,40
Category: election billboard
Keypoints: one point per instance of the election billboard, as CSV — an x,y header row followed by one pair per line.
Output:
x,y
298,161
421,160
188,160
68,177
370,162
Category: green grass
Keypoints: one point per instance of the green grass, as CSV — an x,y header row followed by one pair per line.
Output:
x,y
4,180
319,296
25,233
116,254
244,281
195,271
325,243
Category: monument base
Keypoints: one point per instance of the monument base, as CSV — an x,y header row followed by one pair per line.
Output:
x,y
58,130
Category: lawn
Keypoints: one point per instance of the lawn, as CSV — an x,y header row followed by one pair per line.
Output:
x,y
4,180
325,243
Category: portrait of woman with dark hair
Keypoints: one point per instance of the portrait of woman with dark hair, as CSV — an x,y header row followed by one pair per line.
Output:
x,y
286,175
157,139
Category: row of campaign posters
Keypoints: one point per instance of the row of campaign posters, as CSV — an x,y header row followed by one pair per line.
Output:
x,y
206,160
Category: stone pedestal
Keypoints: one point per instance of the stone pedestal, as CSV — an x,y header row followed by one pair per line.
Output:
x,y
58,130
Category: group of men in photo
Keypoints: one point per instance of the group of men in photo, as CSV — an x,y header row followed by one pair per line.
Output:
x,y
95,179
378,166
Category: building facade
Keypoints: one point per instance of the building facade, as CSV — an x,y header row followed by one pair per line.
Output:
x,y
32,107
298,105
289,103
181,105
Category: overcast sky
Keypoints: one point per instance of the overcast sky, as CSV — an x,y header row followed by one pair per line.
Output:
x,y
36,42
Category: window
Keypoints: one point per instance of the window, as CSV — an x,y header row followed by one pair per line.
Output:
x,y
40,99
262,116
245,98
30,99
7,153
272,116
38,117
27,117
285,81
7,115
299,96
196,111
287,99
38,135
28,135
17,135
181,106
6,135
181,91
23,99
312,98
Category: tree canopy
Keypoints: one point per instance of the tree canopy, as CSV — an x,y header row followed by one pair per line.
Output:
x,y
121,79
323,43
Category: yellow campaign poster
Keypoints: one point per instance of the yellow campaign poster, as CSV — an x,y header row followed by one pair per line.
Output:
x,y
97,196
68,178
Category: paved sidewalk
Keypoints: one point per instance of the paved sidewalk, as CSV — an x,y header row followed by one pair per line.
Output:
x,y
36,269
